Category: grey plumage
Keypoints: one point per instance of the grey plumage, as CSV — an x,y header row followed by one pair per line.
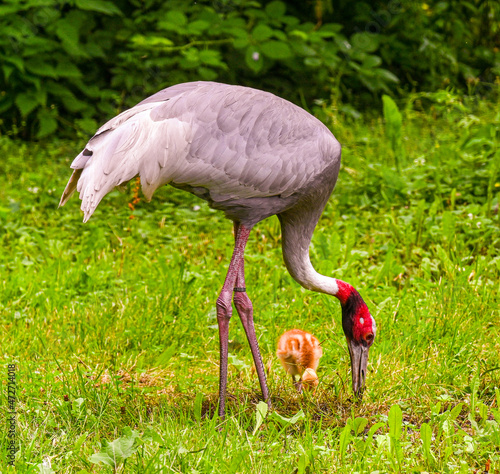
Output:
x,y
247,152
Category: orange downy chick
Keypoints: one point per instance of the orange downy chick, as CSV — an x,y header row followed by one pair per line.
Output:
x,y
299,353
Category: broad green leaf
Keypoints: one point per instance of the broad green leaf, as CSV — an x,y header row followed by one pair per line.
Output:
x,y
166,355
395,421
393,128
151,41
104,458
211,57
359,425
229,24
312,62
45,468
170,26
114,453
426,436
240,37
101,6
95,50
483,411
366,42
41,67
260,415
236,461
262,32
436,409
448,223
198,27
449,267
5,103
7,71
16,61
240,42
47,124
276,49
151,436
238,363
68,32
26,102
302,464
79,442
287,421
176,17
392,115
9,9
280,35
72,104
331,28
300,34
387,75
455,412
67,69
371,61
275,9
345,437
207,74
86,126
371,433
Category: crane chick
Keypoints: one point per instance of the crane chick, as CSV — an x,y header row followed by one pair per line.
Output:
x,y
299,353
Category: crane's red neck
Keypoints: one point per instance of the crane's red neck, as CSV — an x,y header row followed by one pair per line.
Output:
x,y
344,292
357,322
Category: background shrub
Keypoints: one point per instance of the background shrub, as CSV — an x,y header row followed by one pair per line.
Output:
x,y
66,65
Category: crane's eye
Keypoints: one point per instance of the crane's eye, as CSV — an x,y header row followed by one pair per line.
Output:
x,y
369,338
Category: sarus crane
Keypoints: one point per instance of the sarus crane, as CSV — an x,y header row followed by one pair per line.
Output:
x,y
249,154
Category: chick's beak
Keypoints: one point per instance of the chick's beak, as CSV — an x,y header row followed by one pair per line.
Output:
x,y
359,361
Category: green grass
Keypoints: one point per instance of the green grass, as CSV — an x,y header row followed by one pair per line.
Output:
x,y
112,324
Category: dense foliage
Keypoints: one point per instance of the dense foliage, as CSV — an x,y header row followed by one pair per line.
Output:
x,y
68,64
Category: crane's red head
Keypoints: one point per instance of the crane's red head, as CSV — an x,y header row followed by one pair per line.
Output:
x,y
359,329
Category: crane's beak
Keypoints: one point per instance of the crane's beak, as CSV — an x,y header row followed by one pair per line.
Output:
x,y
359,361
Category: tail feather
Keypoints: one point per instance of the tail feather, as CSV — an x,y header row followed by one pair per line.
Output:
x,y
70,187
138,146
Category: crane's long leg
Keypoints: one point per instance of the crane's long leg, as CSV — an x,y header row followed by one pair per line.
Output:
x,y
244,308
224,310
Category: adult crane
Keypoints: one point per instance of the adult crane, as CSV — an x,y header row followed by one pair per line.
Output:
x,y
249,154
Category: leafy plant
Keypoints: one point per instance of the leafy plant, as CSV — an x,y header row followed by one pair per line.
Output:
x,y
394,129
116,452
52,56
67,65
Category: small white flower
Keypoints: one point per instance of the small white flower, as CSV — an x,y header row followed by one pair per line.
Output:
x,y
196,208
420,161
255,56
